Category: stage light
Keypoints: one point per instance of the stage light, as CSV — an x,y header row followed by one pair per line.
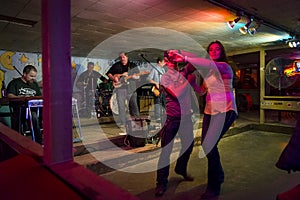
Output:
x,y
244,29
232,7
290,44
294,44
253,30
232,23
294,41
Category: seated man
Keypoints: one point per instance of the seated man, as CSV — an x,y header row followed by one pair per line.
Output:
x,y
17,91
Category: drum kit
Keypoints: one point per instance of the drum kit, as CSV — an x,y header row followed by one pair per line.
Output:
x,y
106,103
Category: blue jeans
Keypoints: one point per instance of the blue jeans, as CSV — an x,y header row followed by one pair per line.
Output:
x,y
184,128
215,169
159,104
122,96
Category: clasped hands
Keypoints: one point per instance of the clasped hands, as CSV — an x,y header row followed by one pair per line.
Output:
x,y
175,55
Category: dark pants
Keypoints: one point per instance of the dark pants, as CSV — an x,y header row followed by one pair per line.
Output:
x,y
159,104
90,101
184,128
215,170
122,96
21,124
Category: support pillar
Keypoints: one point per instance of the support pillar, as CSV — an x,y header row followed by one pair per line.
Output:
x,y
57,87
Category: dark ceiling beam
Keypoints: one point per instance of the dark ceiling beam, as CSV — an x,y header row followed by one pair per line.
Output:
x,y
18,21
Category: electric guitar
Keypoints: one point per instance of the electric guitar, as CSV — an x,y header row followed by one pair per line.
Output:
x,y
124,79
155,91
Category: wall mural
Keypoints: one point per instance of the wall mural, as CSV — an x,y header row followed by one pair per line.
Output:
x,y
12,63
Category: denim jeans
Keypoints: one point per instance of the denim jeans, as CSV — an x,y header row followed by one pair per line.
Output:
x,y
159,105
122,96
184,128
209,130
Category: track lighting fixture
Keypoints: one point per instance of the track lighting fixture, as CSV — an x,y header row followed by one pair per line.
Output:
x,y
253,30
232,23
232,7
294,42
244,29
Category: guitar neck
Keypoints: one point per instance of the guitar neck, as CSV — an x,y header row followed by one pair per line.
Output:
x,y
129,77
138,74
120,83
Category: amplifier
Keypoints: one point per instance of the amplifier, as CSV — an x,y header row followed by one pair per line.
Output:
x,y
137,130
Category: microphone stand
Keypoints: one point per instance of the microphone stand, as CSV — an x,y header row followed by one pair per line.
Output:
x,y
160,95
142,55
18,71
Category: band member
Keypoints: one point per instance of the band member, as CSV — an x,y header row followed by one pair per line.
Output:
x,y
154,78
87,83
17,89
125,92
103,96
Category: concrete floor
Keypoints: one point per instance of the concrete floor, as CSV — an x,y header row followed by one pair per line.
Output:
x,y
249,165
249,153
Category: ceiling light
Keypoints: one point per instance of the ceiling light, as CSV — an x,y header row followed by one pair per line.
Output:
x,y
294,44
290,44
294,41
230,6
253,30
244,29
232,23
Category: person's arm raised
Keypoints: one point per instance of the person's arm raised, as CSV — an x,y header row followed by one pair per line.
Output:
x,y
199,89
184,56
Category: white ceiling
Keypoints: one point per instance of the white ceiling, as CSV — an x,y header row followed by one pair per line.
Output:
x,y
103,28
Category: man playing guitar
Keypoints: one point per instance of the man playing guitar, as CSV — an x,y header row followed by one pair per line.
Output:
x,y
125,91
122,79
154,77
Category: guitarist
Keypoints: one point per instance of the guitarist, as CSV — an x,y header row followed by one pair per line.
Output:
x,y
154,78
125,92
